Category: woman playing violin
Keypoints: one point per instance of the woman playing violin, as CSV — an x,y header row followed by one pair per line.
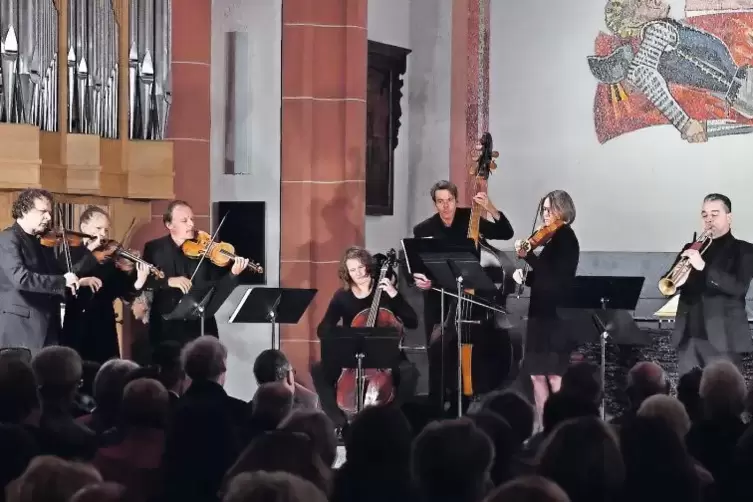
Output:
x,y
89,324
356,273
547,346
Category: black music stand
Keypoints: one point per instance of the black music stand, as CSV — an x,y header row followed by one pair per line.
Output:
x,y
450,265
274,306
605,299
361,349
199,302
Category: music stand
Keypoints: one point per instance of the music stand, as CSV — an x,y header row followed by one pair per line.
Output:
x,y
361,349
600,297
272,305
450,265
197,303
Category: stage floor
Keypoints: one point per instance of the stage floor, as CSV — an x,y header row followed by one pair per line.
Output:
x,y
619,359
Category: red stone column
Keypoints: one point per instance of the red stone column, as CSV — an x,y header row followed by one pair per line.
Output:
x,y
324,58
188,125
469,86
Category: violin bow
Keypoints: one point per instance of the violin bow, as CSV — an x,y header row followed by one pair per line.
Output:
x,y
526,266
66,246
209,246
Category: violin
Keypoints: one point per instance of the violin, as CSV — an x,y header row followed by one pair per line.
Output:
x,y
540,237
52,238
106,250
219,253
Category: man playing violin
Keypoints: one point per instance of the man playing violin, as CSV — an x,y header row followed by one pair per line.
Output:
x,y
89,323
451,222
32,282
166,254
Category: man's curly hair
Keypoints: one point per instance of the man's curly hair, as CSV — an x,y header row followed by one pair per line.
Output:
x,y
25,201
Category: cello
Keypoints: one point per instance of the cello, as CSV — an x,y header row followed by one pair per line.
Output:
x,y
378,385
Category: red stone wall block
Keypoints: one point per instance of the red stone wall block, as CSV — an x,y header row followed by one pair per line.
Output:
x,y
469,86
324,58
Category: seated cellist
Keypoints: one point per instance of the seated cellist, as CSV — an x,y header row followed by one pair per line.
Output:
x,y
356,274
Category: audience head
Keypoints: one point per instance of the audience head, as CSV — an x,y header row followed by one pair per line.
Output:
x,y
273,366
452,460
17,448
515,409
722,390
58,371
19,401
644,380
657,465
583,457
145,404
668,409
272,487
101,492
205,359
583,379
272,403
687,393
564,405
318,427
283,451
166,358
528,489
379,436
504,441
51,479
109,382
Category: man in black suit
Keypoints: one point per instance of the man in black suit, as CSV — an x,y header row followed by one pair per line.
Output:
x,y
166,254
32,284
452,222
712,322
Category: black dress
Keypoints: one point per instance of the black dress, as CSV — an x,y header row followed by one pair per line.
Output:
x,y
548,344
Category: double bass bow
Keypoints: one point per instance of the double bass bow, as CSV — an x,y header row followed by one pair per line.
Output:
x,y
378,384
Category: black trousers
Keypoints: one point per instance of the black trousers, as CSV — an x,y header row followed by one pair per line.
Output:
x,y
698,352
405,378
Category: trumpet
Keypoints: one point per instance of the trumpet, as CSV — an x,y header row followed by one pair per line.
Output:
x,y
668,283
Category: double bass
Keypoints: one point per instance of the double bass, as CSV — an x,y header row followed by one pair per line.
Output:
x,y
378,384
485,351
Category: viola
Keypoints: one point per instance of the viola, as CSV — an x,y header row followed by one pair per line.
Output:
x,y
219,253
378,385
540,237
53,238
105,251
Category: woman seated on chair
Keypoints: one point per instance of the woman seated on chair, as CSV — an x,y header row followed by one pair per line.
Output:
x,y
358,273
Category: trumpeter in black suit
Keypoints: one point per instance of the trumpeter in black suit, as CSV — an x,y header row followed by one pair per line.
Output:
x,y
548,344
711,321
166,254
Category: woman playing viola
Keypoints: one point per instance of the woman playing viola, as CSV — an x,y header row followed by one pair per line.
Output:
x,y
356,272
547,345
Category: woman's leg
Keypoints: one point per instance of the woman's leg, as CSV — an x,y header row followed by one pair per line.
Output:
x,y
540,395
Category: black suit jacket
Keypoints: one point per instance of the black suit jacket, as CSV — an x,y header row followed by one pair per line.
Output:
x,y
31,289
726,279
434,227
166,255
